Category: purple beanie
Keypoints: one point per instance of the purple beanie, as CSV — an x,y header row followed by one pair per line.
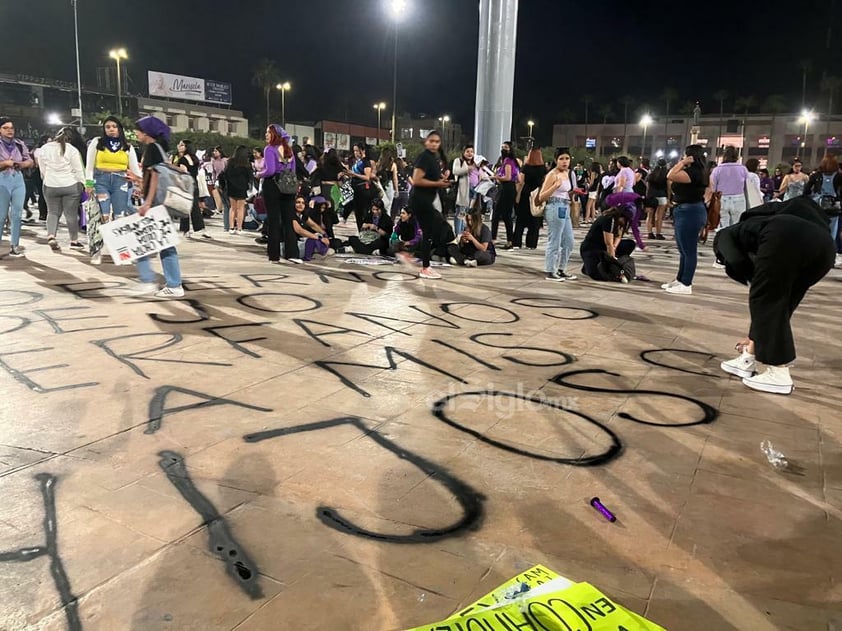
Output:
x,y
154,127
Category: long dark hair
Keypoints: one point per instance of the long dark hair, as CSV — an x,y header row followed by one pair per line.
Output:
x,y
330,158
387,159
507,153
70,136
124,144
240,158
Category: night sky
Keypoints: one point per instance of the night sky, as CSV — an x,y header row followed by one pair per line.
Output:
x,y
338,53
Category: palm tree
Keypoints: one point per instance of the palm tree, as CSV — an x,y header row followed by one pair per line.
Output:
x,y
265,77
668,95
566,116
806,66
626,100
745,103
587,99
830,85
721,96
606,111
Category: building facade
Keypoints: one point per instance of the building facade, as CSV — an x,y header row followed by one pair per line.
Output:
x,y
195,117
772,139
415,129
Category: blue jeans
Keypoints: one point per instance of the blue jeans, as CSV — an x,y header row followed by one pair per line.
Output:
x,y
459,220
689,221
169,262
559,236
112,193
834,232
12,195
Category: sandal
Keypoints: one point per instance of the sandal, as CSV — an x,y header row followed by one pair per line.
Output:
x,y
54,246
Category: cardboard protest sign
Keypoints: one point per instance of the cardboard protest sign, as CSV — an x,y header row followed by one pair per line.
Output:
x,y
541,600
93,212
134,237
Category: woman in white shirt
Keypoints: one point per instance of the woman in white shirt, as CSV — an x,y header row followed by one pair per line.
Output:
x,y
63,173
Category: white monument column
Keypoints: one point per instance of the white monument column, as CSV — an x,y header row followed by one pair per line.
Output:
x,y
495,75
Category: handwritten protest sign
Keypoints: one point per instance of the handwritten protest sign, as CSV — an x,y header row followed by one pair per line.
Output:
x,y
94,216
134,237
541,600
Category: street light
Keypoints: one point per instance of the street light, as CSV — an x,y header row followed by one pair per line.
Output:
x,y
54,119
117,55
379,107
807,117
531,124
397,9
645,122
444,120
283,87
78,67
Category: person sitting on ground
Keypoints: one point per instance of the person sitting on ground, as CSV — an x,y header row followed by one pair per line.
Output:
x,y
374,232
475,247
406,235
605,253
314,241
780,250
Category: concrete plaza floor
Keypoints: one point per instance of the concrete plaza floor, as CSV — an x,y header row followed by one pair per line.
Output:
x,y
264,453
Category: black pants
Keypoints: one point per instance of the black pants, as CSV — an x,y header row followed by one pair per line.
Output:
x,y
430,221
280,213
361,205
525,221
592,257
381,246
42,201
195,215
793,255
503,209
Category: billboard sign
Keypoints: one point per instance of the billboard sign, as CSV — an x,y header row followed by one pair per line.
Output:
x,y
173,86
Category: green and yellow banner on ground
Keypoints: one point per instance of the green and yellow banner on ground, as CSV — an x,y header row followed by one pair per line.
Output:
x,y
541,600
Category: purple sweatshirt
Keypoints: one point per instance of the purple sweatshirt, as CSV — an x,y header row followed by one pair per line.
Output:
x,y
729,178
272,164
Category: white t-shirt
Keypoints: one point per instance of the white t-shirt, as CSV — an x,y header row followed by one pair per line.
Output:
x,y
59,171
627,175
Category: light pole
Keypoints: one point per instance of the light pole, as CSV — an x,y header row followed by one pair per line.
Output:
x,y
117,55
397,8
807,117
379,107
645,122
283,87
78,70
531,124
444,120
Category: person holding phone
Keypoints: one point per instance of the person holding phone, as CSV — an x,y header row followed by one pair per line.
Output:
x,y
689,183
14,157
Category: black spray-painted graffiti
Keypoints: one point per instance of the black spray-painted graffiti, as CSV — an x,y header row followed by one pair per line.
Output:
x,y
126,358
157,411
237,344
26,297
468,498
709,413
645,356
21,375
566,358
198,307
584,314
238,564
440,412
69,602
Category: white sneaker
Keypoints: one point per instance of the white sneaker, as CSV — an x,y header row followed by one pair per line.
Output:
x,y
742,366
239,231
429,272
144,289
838,261
170,292
232,231
680,289
295,260
776,380
471,263
672,283
330,252
452,261
96,259
718,265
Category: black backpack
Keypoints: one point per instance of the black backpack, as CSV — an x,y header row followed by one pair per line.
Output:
x,y
612,269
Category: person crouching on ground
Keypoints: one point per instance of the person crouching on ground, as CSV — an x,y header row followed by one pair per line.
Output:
x,y
315,242
406,235
476,247
374,232
780,251
604,251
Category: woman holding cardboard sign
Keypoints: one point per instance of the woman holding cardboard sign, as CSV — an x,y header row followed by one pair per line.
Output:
x,y
154,135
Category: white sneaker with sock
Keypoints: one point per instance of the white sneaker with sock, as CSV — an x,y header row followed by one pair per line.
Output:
x,y
681,289
170,292
672,283
742,366
775,379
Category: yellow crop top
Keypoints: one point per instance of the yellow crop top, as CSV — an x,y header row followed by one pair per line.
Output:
x,y
112,160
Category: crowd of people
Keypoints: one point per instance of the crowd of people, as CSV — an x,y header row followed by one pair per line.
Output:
x,y
295,196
